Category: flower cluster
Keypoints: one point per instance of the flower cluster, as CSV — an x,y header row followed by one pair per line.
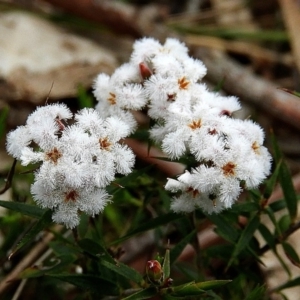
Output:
x,y
76,161
189,119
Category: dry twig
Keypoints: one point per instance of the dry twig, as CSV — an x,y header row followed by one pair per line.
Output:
x,y
28,260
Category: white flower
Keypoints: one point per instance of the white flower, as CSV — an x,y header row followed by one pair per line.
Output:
x,y
76,161
91,202
53,112
126,73
189,118
16,140
116,96
191,198
144,49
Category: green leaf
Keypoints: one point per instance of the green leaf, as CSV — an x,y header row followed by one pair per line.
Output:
x,y
92,283
194,289
284,223
289,284
245,237
288,191
114,217
272,217
151,224
95,249
272,181
26,209
224,228
257,293
142,294
176,251
268,236
277,205
286,182
124,271
291,254
166,265
41,224
84,99
270,239
245,208
297,94
61,264
3,117
127,180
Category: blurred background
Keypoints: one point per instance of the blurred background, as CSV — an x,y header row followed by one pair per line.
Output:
x,y
52,50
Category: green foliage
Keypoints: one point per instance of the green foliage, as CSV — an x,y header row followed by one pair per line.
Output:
x,y
3,117
84,99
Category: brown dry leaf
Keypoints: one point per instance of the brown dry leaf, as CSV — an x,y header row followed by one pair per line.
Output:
x,y
291,14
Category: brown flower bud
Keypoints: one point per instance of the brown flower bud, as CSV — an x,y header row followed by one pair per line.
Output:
x,y
145,70
154,271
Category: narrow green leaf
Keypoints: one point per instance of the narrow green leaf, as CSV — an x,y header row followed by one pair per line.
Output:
x,y
286,182
291,254
143,294
289,284
288,191
194,289
295,93
41,224
62,263
245,237
284,223
26,209
277,205
95,249
245,208
268,236
127,180
272,181
3,116
166,265
257,293
114,217
176,251
270,239
151,224
190,274
271,215
92,283
224,228
124,271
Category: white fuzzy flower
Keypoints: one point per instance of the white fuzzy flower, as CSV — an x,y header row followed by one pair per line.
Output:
x,y
58,112
76,161
117,98
16,140
189,118
191,198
